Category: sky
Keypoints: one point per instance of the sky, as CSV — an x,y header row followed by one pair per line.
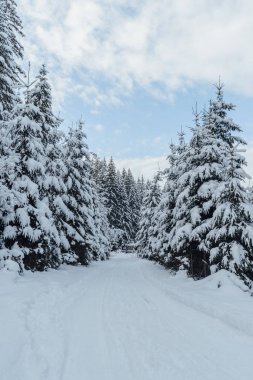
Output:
x,y
133,70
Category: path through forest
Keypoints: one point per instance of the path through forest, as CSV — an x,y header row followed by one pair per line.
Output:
x,y
124,319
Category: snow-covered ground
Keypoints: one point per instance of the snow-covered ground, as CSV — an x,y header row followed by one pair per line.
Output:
x,y
124,319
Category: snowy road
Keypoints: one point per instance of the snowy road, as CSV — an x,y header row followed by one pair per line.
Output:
x,y
124,319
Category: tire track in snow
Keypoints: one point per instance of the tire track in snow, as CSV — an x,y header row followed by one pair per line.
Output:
x,y
178,336
114,308
45,355
244,327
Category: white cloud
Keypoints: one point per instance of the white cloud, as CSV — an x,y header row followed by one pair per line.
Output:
x,y
157,140
162,45
146,166
98,127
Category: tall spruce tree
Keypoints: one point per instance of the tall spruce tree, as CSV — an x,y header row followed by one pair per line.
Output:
x,y
185,248
6,169
125,211
229,233
101,245
140,186
54,188
147,230
135,210
164,215
112,196
112,204
10,52
177,258
231,236
101,179
250,194
29,226
133,200
79,223
202,179
99,170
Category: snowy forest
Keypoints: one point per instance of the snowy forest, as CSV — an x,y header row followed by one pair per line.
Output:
x,y
62,204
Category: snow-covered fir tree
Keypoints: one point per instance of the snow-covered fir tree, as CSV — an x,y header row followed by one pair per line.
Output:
x,y
10,52
230,233
112,204
125,211
191,208
133,200
147,230
231,237
112,196
29,226
205,208
79,218
135,210
140,186
201,180
102,246
6,169
54,187
164,213
99,171
179,227
250,193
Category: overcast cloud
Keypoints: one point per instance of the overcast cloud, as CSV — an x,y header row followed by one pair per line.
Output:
x,y
148,166
162,45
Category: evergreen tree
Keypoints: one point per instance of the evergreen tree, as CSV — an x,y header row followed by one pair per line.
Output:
x,y
54,188
164,214
101,248
193,207
113,203
202,179
133,200
10,52
6,171
135,210
99,172
41,96
215,139
177,258
147,231
140,186
231,236
79,223
250,194
99,169
200,210
129,180
229,232
125,211
29,226
112,196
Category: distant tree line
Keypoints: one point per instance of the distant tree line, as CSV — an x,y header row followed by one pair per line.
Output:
x,y
122,197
